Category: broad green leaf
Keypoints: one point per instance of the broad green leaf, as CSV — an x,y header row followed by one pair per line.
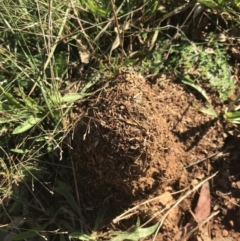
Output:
x,y
136,233
71,97
61,64
94,8
28,124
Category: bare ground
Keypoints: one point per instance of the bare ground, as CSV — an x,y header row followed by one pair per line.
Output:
x,y
135,144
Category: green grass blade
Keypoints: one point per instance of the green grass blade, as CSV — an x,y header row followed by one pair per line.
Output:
x,y
233,117
209,3
79,236
28,124
73,97
136,233
234,102
10,98
177,10
101,213
189,82
25,202
31,233
64,190
208,111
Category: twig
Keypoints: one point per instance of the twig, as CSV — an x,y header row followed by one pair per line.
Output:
x,y
127,214
202,160
199,226
109,23
216,155
80,25
194,189
118,29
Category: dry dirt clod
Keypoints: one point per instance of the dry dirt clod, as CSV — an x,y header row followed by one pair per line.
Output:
x,y
224,233
133,143
125,144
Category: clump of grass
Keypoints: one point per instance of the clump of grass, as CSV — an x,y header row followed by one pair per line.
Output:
x,y
35,59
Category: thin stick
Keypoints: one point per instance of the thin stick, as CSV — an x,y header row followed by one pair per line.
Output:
x,y
80,25
194,189
109,23
118,29
202,160
199,225
126,214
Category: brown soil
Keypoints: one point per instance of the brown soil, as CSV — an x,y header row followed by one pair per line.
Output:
x,y
134,143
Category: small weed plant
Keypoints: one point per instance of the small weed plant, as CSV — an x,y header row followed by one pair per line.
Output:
x,y
205,66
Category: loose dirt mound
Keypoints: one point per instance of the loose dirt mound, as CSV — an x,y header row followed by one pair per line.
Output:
x,y
134,142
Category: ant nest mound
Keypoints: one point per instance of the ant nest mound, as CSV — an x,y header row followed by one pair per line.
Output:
x,y
123,148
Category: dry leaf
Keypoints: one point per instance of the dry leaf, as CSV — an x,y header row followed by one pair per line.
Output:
x,y
126,25
209,51
116,42
83,52
203,209
201,212
84,56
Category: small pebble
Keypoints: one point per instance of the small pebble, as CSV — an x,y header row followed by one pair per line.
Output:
x,y
231,223
216,207
224,233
